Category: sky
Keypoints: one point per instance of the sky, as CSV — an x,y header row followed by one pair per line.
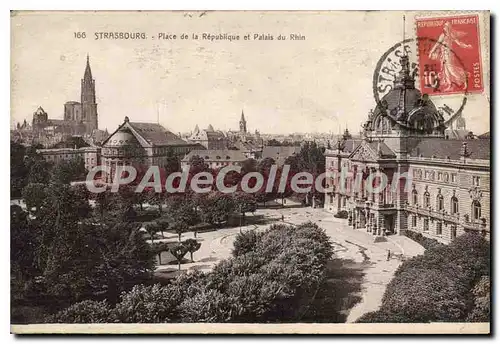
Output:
x,y
320,84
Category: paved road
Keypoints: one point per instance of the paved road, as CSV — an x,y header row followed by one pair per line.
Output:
x,y
354,245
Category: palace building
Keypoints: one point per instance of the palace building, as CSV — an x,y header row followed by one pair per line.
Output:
x,y
437,185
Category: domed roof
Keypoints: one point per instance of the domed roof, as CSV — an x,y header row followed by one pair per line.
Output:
x,y
122,137
405,106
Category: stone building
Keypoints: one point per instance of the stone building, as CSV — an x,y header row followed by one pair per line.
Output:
x,y
437,186
141,145
208,138
90,155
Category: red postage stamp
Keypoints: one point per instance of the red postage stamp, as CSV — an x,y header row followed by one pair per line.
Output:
x,y
449,55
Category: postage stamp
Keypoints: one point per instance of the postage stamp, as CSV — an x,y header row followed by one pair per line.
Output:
x,y
450,61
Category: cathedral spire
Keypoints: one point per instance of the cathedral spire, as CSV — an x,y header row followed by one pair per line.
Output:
x,y
88,99
243,123
88,72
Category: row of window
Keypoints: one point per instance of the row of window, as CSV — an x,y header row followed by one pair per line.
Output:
x,y
433,175
440,206
442,176
439,227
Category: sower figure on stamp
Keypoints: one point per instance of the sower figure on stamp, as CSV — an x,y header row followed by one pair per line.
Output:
x,y
453,72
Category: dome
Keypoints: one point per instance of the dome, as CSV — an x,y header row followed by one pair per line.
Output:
x,y
407,107
122,137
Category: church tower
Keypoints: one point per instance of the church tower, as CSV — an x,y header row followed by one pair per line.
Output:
x,y
89,105
243,123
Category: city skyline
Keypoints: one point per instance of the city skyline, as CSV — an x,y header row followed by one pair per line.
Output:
x,y
188,83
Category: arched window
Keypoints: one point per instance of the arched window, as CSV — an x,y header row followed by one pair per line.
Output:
x,y
454,205
414,196
427,199
440,202
476,210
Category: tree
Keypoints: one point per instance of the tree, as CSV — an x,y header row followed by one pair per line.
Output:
x,y
123,259
180,227
216,208
155,198
197,165
162,225
23,245
249,165
310,159
104,201
192,246
34,195
178,251
66,171
159,248
39,170
273,142
152,229
245,202
18,169
173,163
124,202
182,211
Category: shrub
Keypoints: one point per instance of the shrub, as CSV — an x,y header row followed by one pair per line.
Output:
x,y
425,295
383,317
83,312
207,306
245,242
343,214
148,304
427,243
443,284
481,310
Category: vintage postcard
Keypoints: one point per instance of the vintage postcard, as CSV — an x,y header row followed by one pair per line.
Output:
x,y
250,172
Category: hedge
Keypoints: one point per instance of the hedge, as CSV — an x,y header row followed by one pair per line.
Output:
x,y
422,240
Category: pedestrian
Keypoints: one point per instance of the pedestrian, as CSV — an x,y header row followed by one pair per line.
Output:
x,y
388,254
282,218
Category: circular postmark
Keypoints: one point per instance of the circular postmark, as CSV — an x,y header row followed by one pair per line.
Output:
x,y
431,76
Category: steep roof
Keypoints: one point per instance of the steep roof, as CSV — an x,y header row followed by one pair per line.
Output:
x,y
351,145
279,151
156,134
216,155
62,122
457,134
385,151
247,146
443,148
71,142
